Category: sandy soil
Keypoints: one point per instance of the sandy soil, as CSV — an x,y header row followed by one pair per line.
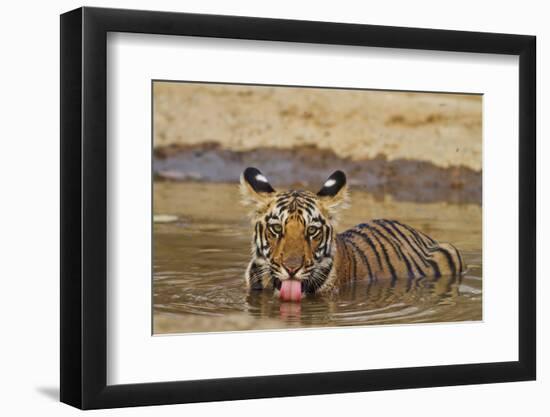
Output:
x,y
444,129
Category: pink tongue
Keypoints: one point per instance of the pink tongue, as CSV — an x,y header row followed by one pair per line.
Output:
x,y
291,290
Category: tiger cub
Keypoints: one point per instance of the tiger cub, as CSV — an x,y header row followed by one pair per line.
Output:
x,y
296,251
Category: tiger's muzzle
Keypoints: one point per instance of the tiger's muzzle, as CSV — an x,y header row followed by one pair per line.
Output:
x,y
292,265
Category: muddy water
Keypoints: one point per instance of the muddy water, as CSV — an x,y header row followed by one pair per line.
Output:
x,y
199,260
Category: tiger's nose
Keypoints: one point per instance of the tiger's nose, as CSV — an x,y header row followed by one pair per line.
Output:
x,y
292,265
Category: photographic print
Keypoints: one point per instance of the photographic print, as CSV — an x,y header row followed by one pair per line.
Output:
x,y
280,207
301,194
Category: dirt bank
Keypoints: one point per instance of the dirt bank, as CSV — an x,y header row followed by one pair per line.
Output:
x,y
308,167
442,129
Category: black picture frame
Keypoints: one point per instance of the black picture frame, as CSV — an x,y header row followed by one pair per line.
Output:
x,y
84,207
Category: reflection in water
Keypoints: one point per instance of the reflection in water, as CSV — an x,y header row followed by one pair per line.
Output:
x,y
199,263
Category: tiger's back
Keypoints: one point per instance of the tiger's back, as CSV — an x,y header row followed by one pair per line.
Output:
x,y
388,249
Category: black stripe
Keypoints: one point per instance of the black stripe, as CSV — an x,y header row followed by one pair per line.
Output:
x,y
353,262
312,285
460,264
261,235
327,236
420,236
367,239
319,219
409,243
280,204
257,244
416,237
385,237
376,232
396,248
420,271
414,233
435,248
263,239
449,259
255,281
305,203
409,284
431,240
388,261
363,258
309,210
347,254
422,246
435,267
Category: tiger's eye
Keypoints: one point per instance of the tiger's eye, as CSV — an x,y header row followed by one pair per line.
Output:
x,y
311,230
276,228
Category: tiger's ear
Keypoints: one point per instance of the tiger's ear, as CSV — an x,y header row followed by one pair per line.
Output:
x,y
334,192
255,188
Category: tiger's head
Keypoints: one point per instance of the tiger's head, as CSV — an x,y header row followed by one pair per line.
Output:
x,y
294,239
